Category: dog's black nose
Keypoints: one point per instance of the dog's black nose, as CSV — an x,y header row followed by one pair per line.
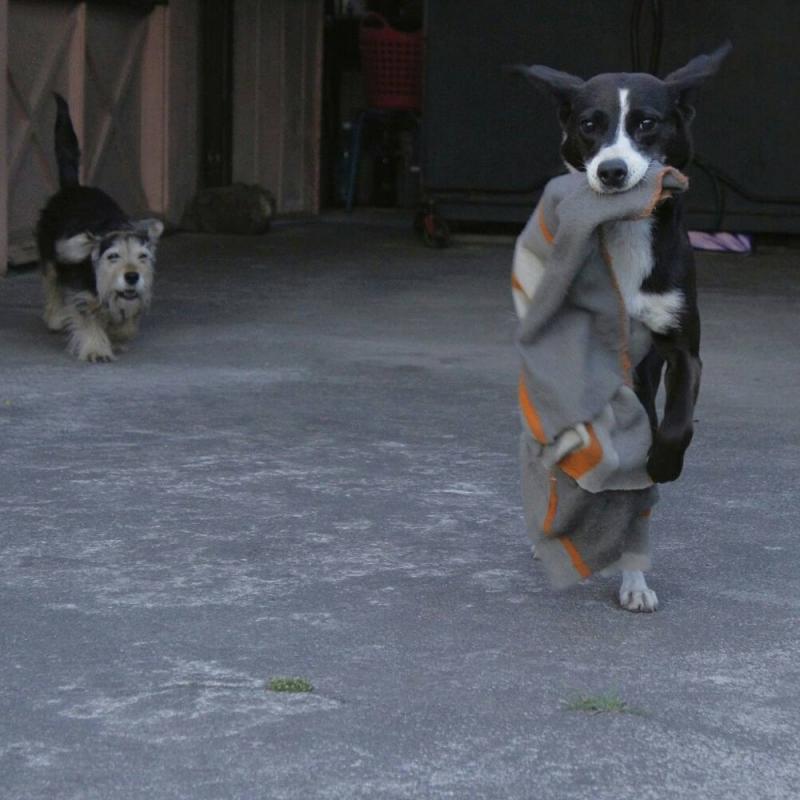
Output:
x,y
131,278
612,173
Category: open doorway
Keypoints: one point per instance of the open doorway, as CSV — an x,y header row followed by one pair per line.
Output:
x,y
216,92
372,98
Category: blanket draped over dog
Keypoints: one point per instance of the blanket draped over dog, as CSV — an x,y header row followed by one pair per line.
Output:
x,y
586,492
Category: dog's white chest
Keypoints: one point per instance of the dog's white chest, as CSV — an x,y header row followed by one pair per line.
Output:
x,y
629,247
628,243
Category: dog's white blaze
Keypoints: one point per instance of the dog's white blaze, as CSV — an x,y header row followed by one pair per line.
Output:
x,y
528,270
622,147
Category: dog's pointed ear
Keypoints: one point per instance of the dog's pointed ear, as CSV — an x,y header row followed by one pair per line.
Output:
x,y
151,228
561,85
76,248
686,81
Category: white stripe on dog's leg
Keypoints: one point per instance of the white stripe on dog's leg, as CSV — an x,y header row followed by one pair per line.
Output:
x,y
634,594
88,340
75,249
55,314
659,312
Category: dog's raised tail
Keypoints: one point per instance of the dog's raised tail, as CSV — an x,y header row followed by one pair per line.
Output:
x,y
68,153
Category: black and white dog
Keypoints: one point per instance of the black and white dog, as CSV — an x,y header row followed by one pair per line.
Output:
x,y
97,264
614,126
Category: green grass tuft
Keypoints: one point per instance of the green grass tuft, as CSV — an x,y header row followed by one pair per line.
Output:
x,y
609,702
289,685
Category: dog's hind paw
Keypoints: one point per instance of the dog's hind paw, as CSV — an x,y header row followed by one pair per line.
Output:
x,y
646,600
634,594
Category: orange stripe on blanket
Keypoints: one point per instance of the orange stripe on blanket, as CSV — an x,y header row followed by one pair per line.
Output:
x,y
577,464
529,412
548,236
515,284
624,357
552,507
575,557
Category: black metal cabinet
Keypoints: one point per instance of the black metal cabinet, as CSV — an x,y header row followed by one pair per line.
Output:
x,y
490,141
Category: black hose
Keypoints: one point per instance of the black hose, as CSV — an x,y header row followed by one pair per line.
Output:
x,y
636,18
741,189
719,195
658,37
719,179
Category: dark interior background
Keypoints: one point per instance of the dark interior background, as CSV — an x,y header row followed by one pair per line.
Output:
x,y
490,141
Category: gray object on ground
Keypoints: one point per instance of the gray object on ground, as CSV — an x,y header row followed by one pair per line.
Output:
x,y
240,208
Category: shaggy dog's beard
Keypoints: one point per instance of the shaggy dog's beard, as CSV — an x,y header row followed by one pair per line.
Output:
x,y
120,309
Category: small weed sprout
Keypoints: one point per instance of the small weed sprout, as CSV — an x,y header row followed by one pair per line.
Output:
x,y
609,702
289,685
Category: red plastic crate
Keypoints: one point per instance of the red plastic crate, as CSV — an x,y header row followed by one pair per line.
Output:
x,y
391,61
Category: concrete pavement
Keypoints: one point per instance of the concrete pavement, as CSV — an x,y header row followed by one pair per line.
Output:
x,y
306,466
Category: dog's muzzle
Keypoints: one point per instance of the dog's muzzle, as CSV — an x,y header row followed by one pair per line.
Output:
x,y
131,292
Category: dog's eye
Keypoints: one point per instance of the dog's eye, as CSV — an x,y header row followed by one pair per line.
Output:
x,y
587,126
143,257
647,125
113,257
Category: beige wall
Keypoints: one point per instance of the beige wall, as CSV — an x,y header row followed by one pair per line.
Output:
x,y
132,85
183,118
131,82
277,90
3,138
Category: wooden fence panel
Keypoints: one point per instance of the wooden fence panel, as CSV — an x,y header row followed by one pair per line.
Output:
x,y
111,63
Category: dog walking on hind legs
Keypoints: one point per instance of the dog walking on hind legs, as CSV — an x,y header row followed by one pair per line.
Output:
x,y
604,285
98,264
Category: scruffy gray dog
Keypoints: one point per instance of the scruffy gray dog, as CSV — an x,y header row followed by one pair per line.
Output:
x,y
97,263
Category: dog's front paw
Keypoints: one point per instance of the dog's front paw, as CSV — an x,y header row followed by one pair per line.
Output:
x,y
98,357
90,343
96,351
634,594
665,461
